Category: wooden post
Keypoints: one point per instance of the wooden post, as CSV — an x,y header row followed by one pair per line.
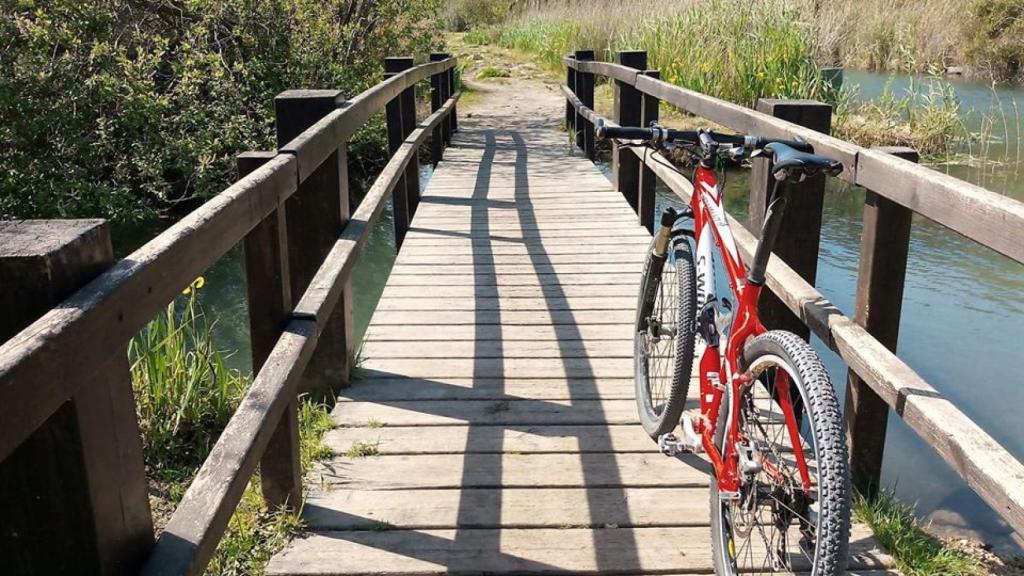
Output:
x,y
884,245
315,215
269,296
444,88
73,494
585,92
396,119
801,225
436,101
570,110
628,103
646,203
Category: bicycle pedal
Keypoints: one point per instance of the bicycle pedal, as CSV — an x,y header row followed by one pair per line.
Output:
x,y
670,445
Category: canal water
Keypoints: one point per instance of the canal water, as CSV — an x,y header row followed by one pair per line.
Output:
x,y
963,313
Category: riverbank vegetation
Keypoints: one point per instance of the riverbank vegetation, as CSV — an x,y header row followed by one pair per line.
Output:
x,y
916,553
129,110
740,53
979,37
185,395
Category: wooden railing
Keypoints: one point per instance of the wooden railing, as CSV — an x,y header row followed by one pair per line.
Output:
x,y
64,376
896,187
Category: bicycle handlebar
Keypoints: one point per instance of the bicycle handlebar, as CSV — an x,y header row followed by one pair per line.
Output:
x,y
658,134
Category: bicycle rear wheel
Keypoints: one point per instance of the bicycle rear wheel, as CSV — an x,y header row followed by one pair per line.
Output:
x,y
664,337
773,524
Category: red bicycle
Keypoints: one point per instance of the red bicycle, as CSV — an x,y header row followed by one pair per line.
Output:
x,y
768,418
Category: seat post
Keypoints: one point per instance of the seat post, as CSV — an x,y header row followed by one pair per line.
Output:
x,y
777,200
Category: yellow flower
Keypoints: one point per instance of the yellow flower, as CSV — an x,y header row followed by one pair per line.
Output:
x,y
195,285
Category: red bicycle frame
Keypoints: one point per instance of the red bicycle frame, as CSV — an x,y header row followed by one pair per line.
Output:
x,y
720,365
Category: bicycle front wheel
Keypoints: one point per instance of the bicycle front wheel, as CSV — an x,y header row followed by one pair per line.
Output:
x,y
774,523
664,337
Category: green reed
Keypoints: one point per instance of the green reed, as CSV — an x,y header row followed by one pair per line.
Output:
x,y
737,52
185,393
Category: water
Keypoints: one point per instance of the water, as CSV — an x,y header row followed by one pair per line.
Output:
x,y
962,324
223,296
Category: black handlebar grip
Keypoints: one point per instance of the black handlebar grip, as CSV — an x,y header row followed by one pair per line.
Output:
x,y
624,132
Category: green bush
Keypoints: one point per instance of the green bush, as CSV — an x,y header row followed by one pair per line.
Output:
x,y
127,109
465,14
995,37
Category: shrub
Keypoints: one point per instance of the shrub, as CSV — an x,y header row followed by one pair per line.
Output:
x,y
128,109
465,14
995,37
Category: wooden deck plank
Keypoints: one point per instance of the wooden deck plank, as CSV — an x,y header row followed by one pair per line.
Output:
x,y
491,367
538,291
414,348
383,386
504,333
486,412
507,317
509,508
659,550
490,439
509,470
552,302
399,278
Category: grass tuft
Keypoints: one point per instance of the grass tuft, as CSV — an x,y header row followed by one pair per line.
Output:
x,y
916,553
492,72
363,449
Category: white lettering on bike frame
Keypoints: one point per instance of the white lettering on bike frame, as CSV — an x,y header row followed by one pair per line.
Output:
x,y
712,199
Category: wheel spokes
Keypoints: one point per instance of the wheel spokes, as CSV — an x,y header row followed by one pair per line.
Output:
x,y
773,500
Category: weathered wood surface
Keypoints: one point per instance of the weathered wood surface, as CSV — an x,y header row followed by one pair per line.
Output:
x,y
495,389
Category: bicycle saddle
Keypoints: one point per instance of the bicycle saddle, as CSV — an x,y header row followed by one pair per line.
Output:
x,y
788,162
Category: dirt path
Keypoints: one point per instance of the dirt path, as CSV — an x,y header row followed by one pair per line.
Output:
x,y
528,91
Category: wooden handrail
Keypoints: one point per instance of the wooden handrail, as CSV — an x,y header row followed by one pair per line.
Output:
x,y
191,536
42,365
47,362
116,305
189,540
981,215
984,216
326,286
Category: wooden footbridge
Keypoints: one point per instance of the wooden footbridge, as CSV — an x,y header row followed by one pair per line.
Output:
x,y
488,424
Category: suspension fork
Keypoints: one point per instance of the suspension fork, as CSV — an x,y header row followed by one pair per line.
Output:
x,y
656,263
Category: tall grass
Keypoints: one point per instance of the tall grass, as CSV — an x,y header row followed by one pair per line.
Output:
x,y
916,553
185,393
740,52
735,51
926,117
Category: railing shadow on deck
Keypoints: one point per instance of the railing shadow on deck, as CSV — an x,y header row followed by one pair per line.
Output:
x,y
896,188
480,502
290,207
